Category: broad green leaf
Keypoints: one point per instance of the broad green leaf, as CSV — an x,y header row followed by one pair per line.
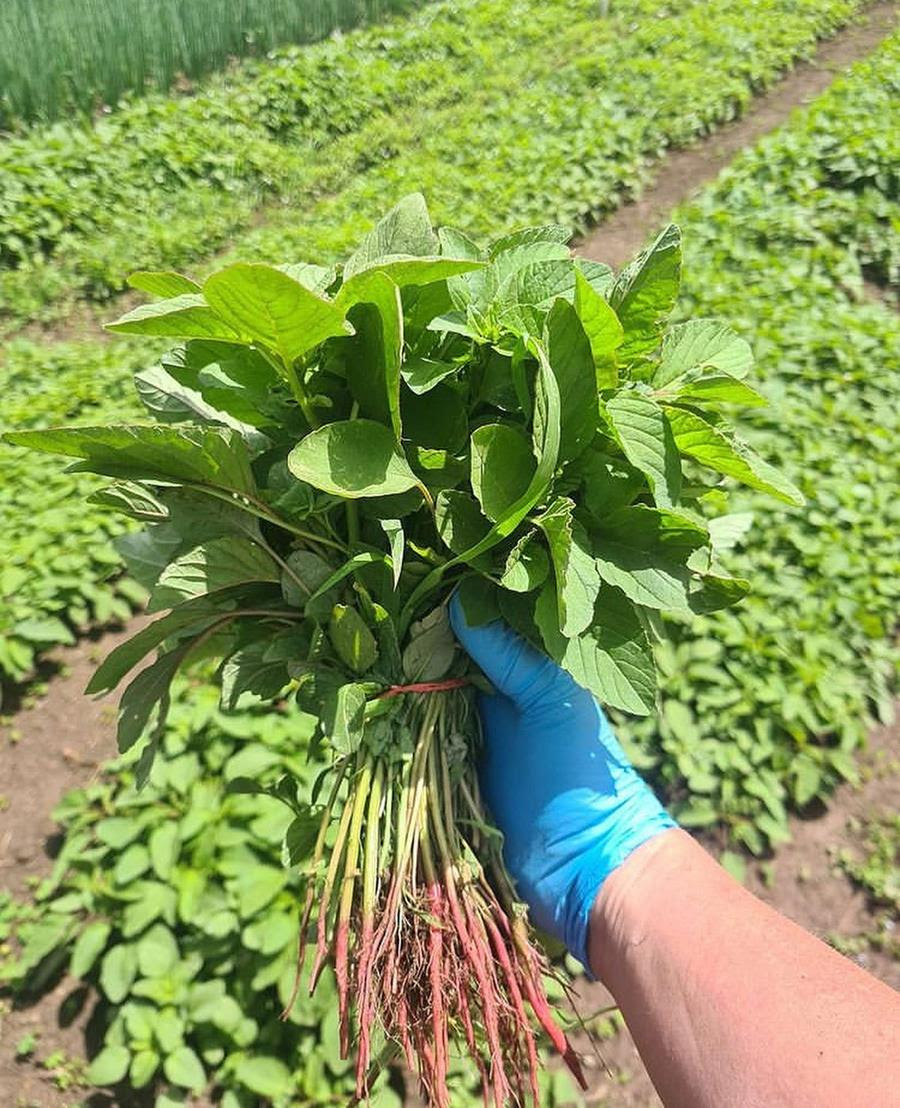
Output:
x,y
314,277
375,351
169,401
645,292
144,1065
709,592
422,374
347,719
131,864
577,579
643,552
110,1066
88,947
163,283
646,440
570,357
701,343
183,1068
149,690
117,972
196,614
351,638
502,467
479,599
353,459
406,229
431,648
457,244
719,388
603,330
212,566
725,532
613,659
527,236
164,845
459,521
188,316
253,669
712,448
185,455
266,1076
609,483
297,848
157,951
305,574
437,421
404,270
264,305
527,565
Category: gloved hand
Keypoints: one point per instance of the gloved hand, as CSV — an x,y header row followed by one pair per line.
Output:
x,y
570,805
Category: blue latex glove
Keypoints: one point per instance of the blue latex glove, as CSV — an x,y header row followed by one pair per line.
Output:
x,y
570,805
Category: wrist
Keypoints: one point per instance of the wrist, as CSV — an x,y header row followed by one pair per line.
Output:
x,y
630,903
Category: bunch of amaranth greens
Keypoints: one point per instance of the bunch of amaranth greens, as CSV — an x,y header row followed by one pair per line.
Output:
x,y
335,451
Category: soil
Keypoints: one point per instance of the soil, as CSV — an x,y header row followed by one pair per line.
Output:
x,y
56,738
684,171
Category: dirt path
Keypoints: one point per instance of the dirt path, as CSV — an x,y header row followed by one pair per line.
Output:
x,y
682,172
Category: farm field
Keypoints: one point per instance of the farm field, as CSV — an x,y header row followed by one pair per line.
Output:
x,y
763,710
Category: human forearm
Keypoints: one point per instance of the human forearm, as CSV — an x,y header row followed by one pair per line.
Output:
x,y
731,1004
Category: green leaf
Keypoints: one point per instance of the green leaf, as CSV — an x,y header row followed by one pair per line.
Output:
x,y
144,1065
163,283
148,689
527,565
305,575
376,350
572,362
88,947
431,648
117,972
719,389
404,270
603,330
647,442
298,843
352,640
110,1066
608,483
577,579
195,614
556,233
183,317
712,448
183,1068
459,521
345,722
255,668
405,230
157,951
164,845
211,567
355,458
184,455
502,467
645,293
257,887
393,528
613,660
422,374
266,1076
264,305
643,551
131,864
701,343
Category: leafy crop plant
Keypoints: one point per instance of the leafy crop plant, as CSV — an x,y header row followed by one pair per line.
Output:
x,y
336,452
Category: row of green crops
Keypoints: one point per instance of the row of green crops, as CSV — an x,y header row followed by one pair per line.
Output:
x,y
765,705
55,57
515,112
174,904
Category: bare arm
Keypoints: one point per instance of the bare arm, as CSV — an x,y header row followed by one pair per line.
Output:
x,y
730,1004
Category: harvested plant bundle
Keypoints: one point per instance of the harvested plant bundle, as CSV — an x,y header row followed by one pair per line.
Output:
x,y
336,451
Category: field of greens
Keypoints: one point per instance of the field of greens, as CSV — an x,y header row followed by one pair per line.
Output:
x,y
763,707
58,57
